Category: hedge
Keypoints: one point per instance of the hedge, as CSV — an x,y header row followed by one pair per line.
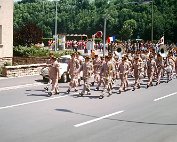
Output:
x,y
33,51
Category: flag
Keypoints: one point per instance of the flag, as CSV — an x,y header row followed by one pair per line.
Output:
x,y
161,41
111,39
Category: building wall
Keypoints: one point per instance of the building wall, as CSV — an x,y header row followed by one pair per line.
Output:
x,y
6,29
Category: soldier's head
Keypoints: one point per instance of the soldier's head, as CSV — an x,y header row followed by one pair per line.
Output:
x,y
51,54
110,54
136,59
150,56
87,59
102,59
96,56
73,55
124,59
107,58
53,59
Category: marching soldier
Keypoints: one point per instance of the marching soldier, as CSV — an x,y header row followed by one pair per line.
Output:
x,y
96,67
136,67
123,70
160,67
48,63
113,62
106,73
175,65
54,75
79,63
151,68
169,63
101,80
87,69
73,66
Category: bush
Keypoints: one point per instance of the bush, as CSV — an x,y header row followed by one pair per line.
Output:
x,y
33,51
98,40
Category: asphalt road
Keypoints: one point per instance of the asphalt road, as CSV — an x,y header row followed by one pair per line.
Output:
x,y
28,115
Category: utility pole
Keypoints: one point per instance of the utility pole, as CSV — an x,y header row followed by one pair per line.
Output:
x,y
104,37
152,27
56,36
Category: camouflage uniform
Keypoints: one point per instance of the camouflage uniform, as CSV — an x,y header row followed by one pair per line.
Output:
x,y
87,69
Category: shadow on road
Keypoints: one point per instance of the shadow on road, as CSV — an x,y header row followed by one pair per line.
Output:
x,y
119,120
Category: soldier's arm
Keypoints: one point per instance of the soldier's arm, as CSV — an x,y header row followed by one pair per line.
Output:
x,y
102,69
68,66
80,69
58,70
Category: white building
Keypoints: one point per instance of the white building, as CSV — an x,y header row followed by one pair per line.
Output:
x,y
6,30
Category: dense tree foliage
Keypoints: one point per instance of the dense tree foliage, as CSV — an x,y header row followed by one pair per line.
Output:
x,y
125,18
27,35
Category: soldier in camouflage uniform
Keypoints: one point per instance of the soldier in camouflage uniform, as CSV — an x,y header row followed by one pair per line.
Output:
x,y
106,73
87,69
73,66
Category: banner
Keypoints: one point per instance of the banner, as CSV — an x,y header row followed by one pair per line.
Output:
x,y
161,41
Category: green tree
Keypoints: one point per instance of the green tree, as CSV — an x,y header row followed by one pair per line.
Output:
x,y
29,34
128,28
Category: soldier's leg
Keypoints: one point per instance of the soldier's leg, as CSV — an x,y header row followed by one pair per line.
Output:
x,y
122,82
151,78
126,81
99,83
148,75
158,76
110,87
48,84
136,82
54,86
87,80
84,88
75,82
105,88
71,84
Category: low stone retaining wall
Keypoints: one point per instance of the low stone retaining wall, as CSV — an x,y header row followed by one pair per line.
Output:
x,y
22,70
29,60
5,60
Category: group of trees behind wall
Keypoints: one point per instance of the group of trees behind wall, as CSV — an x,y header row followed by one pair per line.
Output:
x,y
125,19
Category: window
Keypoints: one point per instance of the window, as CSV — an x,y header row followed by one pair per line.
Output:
x,y
0,34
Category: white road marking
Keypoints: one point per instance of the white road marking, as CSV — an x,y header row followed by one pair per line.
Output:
x,y
20,86
27,103
97,119
172,94
6,78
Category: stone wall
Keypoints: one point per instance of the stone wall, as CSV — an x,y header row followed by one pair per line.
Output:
x,y
28,60
22,70
5,60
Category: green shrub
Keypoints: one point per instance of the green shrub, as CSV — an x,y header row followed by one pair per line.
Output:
x,y
98,40
32,51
